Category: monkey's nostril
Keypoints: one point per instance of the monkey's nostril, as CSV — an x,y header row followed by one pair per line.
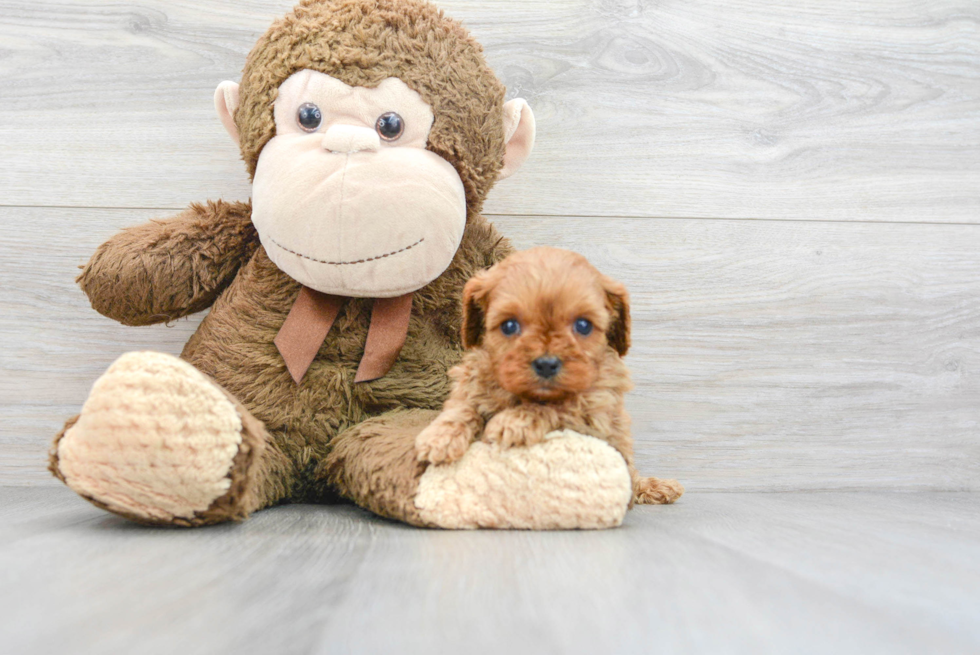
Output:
x,y
547,366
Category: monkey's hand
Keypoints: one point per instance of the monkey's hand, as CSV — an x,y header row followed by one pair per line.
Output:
x,y
169,268
519,426
446,439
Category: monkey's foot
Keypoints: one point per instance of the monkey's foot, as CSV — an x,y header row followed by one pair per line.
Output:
x,y
567,481
156,442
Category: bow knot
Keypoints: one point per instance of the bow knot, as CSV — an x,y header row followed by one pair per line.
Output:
x,y
311,317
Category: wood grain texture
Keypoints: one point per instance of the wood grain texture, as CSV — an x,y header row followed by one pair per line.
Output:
x,y
726,109
716,573
769,355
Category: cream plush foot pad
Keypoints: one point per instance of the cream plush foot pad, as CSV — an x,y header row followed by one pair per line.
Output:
x,y
155,439
567,481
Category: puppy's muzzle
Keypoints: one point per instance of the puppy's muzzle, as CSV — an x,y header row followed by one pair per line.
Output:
x,y
546,367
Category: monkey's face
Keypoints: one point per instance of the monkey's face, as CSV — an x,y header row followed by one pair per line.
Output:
x,y
346,198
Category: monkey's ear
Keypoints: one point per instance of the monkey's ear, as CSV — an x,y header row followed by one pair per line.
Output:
x,y
226,102
518,135
474,310
618,301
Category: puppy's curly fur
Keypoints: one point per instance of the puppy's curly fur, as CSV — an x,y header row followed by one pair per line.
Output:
x,y
545,333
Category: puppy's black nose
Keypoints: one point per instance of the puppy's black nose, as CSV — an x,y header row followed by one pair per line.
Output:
x,y
547,366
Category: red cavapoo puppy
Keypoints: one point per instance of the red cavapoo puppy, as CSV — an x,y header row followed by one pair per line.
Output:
x,y
544,333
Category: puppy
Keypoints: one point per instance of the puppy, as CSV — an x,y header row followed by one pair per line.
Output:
x,y
544,333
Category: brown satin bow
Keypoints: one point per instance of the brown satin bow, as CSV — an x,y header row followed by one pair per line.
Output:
x,y
300,337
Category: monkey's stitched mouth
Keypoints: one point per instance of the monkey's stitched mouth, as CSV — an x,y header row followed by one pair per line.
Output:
x,y
359,261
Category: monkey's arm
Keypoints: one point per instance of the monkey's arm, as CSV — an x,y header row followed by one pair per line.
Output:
x,y
169,268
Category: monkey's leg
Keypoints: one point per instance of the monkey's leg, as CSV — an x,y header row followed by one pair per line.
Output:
x,y
374,463
159,442
566,481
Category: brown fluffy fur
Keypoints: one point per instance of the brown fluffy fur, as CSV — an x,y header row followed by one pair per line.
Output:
x,y
312,441
497,393
362,42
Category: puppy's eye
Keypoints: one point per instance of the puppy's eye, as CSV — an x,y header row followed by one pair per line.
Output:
x,y
583,326
309,117
510,327
390,126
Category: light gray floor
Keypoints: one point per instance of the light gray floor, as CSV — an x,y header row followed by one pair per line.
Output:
x,y
861,572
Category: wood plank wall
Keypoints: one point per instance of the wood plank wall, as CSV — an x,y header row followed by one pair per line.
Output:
x,y
790,190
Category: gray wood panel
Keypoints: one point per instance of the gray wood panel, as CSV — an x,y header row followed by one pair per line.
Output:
x,y
768,354
716,573
730,109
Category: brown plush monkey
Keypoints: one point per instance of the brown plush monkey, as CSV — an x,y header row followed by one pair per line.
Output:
x,y
373,131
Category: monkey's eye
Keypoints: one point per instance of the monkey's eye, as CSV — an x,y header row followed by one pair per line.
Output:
x,y
510,327
309,117
390,126
583,326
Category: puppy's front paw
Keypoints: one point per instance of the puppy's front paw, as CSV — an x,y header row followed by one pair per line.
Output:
x,y
442,442
512,428
654,491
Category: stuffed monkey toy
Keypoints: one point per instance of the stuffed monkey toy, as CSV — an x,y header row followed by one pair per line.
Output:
x,y
372,131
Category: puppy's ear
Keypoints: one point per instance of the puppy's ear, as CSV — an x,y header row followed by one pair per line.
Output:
x,y
618,302
474,309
